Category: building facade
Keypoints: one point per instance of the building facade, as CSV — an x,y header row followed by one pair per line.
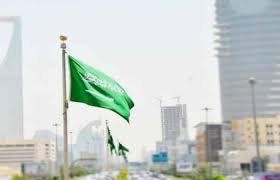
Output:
x,y
174,124
248,42
243,148
90,143
11,104
26,151
244,133
208,142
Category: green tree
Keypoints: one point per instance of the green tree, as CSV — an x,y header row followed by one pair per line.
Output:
x,y
17,177
203,174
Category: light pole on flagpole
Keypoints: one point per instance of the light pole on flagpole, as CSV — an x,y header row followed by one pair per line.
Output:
x,y
63,40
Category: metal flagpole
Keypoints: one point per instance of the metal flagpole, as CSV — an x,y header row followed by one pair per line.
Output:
x,y
56,150
65,107
107,147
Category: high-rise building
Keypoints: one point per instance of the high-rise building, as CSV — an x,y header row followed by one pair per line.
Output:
x,y
174,124
90,142
11,103
208,142
248,46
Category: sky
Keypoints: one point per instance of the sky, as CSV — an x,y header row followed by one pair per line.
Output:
x,y
153,48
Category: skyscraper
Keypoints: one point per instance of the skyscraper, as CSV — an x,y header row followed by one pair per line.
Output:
x,y
90,142
11,105
248,40
248,46
174,124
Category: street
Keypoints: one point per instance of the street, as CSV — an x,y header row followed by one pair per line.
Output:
x,y
135,175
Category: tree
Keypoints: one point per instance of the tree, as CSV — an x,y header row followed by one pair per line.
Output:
x,y
17,177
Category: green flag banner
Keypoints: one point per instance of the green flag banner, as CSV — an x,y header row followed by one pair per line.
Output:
x,y
122,150
94,88
110,141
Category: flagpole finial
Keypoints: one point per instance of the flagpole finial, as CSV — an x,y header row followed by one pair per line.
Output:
x,y
63,38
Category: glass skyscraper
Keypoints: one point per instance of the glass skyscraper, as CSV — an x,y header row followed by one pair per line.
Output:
x,y
248,45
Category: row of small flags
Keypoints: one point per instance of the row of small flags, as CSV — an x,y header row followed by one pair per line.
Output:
x,y
121,151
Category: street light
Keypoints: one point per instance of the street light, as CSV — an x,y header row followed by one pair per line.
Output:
x,y
209,156
56,148
252,81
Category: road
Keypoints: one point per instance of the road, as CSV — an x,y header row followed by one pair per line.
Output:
x,y
137,175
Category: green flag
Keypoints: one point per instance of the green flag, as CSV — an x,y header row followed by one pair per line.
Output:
x,y
122,151
110,141
94,88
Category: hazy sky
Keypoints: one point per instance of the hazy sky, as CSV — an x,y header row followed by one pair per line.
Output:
x,y
152,47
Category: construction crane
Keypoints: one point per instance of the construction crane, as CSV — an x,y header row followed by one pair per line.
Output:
x,y
178,99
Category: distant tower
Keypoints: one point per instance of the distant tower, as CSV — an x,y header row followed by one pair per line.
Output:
x,y
90,142
11,99
174,124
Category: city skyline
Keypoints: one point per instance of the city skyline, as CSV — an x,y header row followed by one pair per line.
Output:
x,y
158,48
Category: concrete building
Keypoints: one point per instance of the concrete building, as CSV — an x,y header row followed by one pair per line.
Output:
x,y
244,133
243,144
175,139
208,142
11,104
26,151
14,153
90,143
237,158
174,124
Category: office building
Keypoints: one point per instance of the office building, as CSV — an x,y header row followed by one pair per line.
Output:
x,y
248,46
244,143
90,143
11,104
15,153
244,132
248,42
26,151
208,142
174,124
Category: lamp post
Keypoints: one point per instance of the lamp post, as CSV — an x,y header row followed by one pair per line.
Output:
x,y
252,81
209,156
56,148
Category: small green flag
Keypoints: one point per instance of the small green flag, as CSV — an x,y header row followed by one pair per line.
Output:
x,y
110,141
94,88
122,151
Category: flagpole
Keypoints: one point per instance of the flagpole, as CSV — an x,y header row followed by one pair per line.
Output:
x,y
65,107
107,147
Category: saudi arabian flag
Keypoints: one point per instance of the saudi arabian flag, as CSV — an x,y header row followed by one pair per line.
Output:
x,y
122,150
110,141
94,88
